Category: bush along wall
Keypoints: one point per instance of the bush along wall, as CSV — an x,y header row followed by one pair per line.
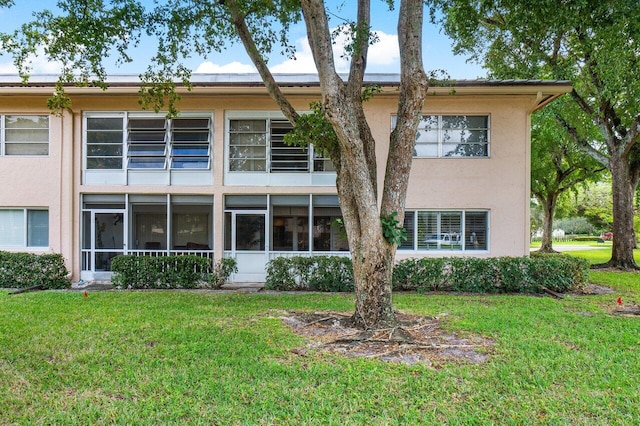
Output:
x,y
23,270
558,273
165,272
316,273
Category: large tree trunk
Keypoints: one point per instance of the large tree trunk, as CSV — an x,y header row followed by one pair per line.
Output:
x,y
623,184
549,207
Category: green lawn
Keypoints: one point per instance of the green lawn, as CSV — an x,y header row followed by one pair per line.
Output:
x,y
210,358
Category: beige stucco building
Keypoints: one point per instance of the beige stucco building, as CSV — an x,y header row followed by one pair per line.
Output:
x,y
105,178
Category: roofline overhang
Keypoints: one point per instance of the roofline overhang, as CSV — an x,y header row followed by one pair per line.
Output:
x,y
293,84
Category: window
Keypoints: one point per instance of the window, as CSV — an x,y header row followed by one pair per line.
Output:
x,y
151,142
104,143
446,230
257,145
24,135
452,136
21,228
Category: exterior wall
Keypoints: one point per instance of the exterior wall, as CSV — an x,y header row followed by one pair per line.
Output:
x,y
499,184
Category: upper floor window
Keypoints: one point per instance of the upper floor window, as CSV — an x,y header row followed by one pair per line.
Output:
x,y
147,142
24,135
20,228
257,145
446,230
452,136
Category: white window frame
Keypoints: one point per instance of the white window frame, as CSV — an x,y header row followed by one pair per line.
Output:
x,y
463,240
25,223
268,117
440,142
3,141
168,145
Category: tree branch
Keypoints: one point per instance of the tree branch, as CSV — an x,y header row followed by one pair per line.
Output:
x,y
584,145
270,83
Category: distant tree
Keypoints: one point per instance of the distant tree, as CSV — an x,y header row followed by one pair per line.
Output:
x,y
557,164
594,43
87,32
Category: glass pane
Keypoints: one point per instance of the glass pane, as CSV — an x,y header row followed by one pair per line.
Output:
x,y
147,123
190,150
476,230
242,139
464,122
190,136
113,123
136,136
104,163
27,122
427,230
146,150
27,135
410,229
425,150
247,165
248,125
190,163
109,229
104,150
250,232
190,123
104,137
236,152
147,163
465,150
37,228
12,228
27,149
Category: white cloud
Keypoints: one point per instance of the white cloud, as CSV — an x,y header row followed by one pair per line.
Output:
x,y
40,64
385,52
234,67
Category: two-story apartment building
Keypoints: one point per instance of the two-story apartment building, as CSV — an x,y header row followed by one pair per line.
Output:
x,y
105,178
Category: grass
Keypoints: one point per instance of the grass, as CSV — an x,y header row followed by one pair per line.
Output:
x,y
211,358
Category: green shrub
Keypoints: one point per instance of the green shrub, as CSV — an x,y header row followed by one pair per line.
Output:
x,y
558,273
318,273
222,270
140,272
586,238
22,270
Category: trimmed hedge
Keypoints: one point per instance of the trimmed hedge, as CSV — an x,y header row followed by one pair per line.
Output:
x,y
164,272
22,270
316,273
558,273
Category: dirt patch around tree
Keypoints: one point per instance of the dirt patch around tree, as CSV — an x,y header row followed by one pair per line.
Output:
x,y
417,340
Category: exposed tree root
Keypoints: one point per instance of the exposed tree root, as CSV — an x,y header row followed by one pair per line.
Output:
x,y
414,340
624,267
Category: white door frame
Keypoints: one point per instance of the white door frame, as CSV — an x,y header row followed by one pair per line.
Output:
x,y
251,263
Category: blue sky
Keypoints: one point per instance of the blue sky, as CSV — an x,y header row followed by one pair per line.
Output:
x,y
383,56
